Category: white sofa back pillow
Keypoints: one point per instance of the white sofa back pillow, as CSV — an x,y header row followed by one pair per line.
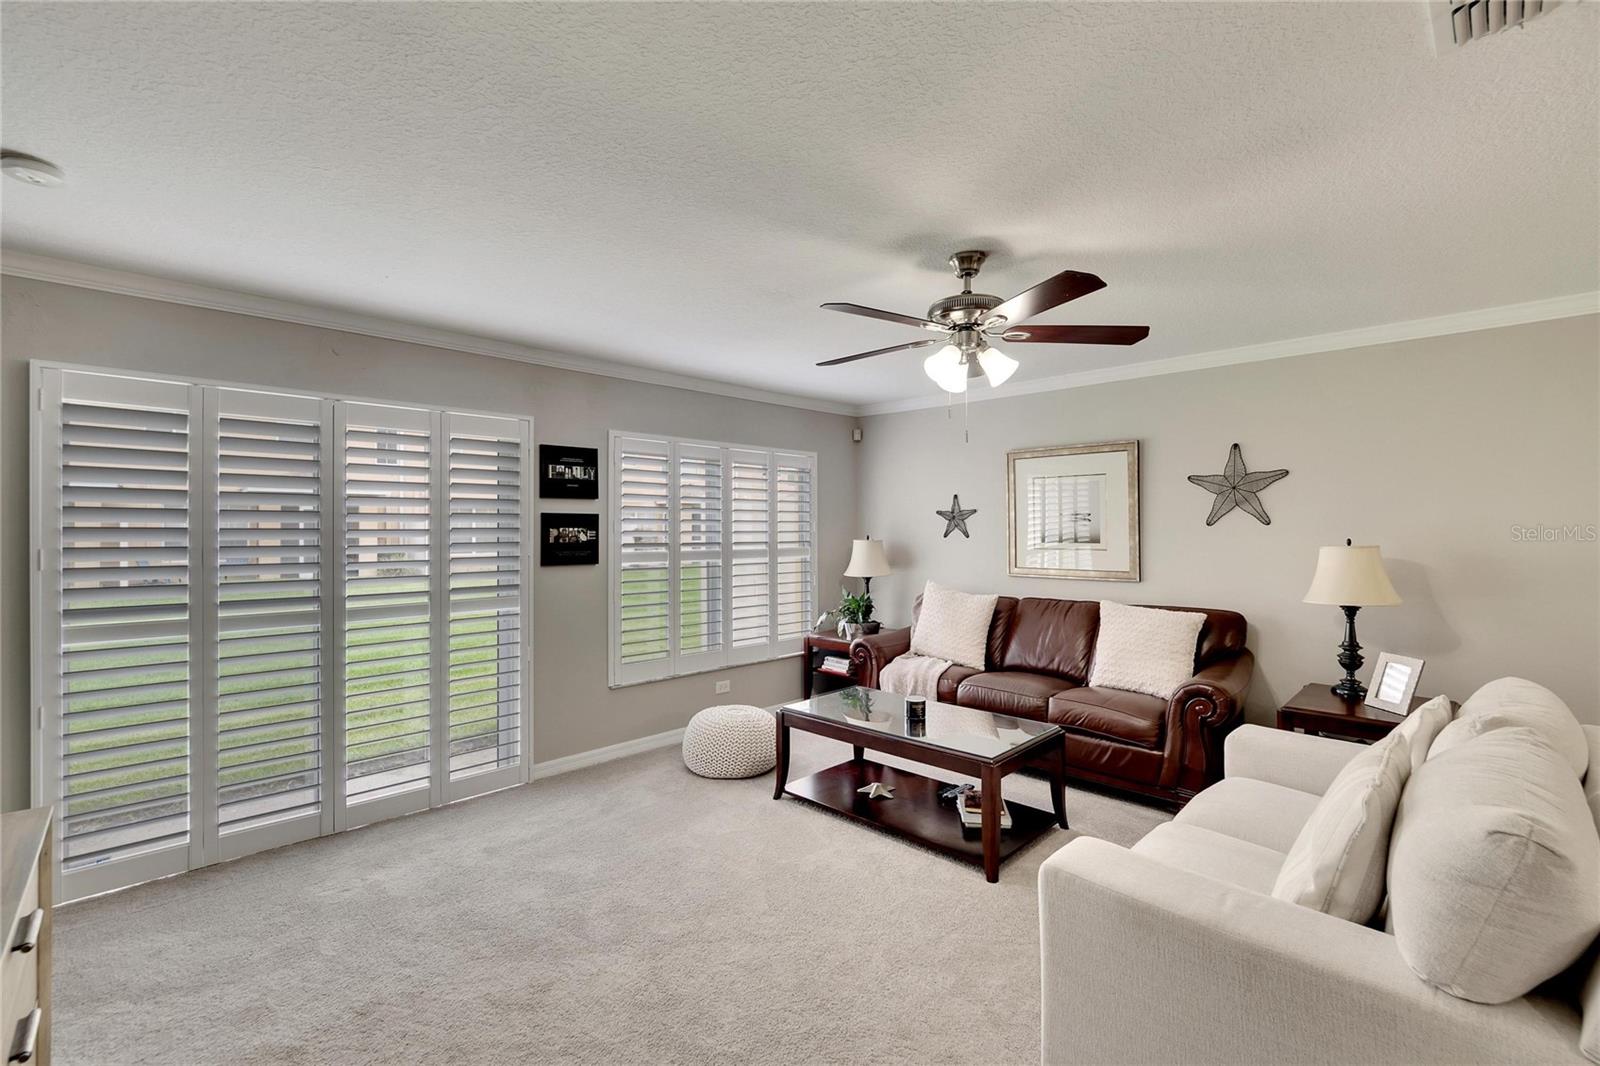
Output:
x,y
1494,868
953,625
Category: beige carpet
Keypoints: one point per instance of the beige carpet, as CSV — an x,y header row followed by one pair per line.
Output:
x,y
627,913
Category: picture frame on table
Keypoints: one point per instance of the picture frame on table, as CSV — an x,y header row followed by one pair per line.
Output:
x,y
1394,683
1073,511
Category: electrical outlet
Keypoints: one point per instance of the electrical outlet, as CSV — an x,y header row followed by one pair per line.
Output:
x,y
724,687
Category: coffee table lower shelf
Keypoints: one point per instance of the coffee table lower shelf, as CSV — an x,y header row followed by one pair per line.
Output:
x,y
914,813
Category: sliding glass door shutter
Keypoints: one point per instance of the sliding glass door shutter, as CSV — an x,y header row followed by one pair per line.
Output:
x,y
264,617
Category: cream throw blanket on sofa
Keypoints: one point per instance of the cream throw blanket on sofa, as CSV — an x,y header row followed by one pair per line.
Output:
x,y
913,675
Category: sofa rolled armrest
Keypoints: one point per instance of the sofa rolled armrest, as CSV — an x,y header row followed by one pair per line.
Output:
x,y
1145,963
1200,715
1294,760
870,654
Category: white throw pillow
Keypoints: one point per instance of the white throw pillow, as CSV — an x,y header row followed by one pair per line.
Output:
x,y
1494,869
953,625
1590,1043
1142,649
1336,865
1422,726
1514,701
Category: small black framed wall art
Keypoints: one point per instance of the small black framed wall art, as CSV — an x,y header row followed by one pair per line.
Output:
x,y
569,539
567,473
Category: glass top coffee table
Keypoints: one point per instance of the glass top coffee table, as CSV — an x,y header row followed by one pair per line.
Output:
x,y
963,740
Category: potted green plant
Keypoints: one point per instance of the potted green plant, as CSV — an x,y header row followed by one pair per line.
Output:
x,y
855,614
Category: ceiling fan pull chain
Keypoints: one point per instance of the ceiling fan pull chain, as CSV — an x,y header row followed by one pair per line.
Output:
x,y
966,431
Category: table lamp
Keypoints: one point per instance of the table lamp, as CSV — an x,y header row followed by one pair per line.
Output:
x,y
867,561
1351,577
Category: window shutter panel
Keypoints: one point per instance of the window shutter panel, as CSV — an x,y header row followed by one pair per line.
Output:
x,y
750,513
486,610
796,548
641,479
388,572
701,545
120,659
269,609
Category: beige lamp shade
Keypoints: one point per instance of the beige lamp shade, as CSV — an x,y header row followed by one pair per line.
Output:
x,y
867,559
1351,576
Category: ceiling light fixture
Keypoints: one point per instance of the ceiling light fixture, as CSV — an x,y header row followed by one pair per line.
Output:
x,y
30,170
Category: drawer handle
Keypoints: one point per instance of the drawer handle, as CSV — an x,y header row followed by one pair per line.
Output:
x,y
30,1037
30,932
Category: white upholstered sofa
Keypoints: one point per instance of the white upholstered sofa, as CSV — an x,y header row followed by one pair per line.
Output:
x,y
1176,950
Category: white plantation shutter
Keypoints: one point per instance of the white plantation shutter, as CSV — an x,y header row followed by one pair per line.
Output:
x,y
795,547
119,599
264,617
642,591
487,616
268,666
713,555
750,514
701,592
389,567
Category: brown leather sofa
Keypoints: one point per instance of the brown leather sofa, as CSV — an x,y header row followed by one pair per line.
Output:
x,y
1037,666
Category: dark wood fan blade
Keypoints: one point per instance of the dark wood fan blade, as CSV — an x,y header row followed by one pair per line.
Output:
x,y
880,351
1051,292
1077,334
887,316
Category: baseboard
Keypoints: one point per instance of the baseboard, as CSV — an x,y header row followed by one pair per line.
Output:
x,y
568,763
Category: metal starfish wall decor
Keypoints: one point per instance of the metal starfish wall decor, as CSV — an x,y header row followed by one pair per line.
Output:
x,y
1235,487
956,517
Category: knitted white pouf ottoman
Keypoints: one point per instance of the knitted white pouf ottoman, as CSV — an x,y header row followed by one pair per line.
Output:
x,y
735,740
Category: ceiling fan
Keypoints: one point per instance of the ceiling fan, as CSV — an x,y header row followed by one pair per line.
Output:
x,y
968,322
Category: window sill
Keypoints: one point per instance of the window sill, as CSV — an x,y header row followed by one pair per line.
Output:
x,y
707,670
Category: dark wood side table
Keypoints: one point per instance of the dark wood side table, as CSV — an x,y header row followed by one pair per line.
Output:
x,y
821,646
1315,709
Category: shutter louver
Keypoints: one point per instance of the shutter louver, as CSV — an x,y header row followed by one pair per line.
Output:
x,y
388,464
643,541
485,622
750,506
700,551
123,486
269,614
796,546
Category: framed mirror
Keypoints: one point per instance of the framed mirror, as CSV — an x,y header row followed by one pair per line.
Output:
x,y
1074,511
1394,682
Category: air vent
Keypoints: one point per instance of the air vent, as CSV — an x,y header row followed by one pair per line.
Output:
x,y
1460,22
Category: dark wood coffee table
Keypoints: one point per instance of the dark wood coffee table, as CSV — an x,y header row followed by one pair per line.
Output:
x,y
963,740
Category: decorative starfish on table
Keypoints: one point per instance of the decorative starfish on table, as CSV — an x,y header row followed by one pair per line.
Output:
x,y
956,517
1237,488
877,791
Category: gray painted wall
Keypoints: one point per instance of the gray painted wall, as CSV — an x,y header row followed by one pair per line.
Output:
x,y
1434,449
574,711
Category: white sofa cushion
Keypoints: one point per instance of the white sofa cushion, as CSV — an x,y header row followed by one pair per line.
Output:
x,y
1494,867
1422,726
1212,854
1258,812
953,625
1591,989
1143,649
1514,701
1336,864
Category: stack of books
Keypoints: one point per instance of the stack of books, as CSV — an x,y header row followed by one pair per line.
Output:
x,y
835,664
970,810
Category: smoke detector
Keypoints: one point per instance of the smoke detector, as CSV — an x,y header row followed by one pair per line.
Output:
x,y
30,169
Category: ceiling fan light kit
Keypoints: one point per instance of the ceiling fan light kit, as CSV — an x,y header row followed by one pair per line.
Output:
x,y
969,321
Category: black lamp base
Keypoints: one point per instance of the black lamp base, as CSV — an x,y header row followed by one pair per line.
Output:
x,y
1350,659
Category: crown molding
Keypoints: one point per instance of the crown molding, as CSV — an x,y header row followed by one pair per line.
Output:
x,y
1583,303
151,287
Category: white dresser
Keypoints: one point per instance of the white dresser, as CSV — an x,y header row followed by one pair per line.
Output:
x,y
25,894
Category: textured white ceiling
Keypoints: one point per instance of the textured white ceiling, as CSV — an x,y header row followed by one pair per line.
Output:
x,y
679,186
